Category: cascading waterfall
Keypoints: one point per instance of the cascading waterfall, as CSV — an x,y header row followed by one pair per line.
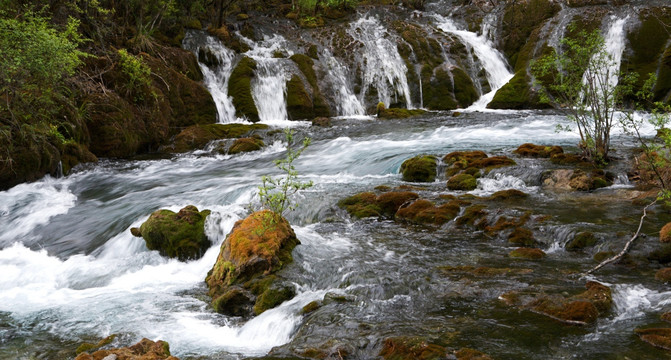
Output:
x,y
215,79
491,60
614,44
346,102
382,66
269,86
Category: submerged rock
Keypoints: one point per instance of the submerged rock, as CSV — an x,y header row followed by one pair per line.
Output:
x,y
411,348
176,235
421,168
657,337
581,240
243,278
144,350
527,253
471,354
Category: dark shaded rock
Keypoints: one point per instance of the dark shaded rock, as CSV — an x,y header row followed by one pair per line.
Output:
x,y
180,235
299,102
471,354
663,275
421,168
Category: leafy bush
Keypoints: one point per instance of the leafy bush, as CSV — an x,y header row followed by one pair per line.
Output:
x,y
138,75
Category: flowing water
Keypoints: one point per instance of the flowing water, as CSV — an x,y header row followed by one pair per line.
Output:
x,y
72,272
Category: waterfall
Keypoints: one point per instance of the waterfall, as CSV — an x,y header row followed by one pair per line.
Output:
x,y
347,104
216,78
614,44
269,86
382,66
491,60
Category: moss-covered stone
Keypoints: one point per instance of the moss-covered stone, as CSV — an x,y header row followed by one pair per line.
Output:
x,y
425,212
520,19
665,233
257,247
421,168
471,354
273,297
311,307
87,347
464,89
361,205
527,253
462,182
396,113
73,154
663,275
411,348
657,337
390,202
246,145
581,240
240,89
510,194
538,151
235,301
197,136
515,94
299,103
144,350
473,215
306,66
180,235
522,237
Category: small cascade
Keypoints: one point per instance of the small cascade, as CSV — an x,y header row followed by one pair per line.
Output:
x,y
614,43
269,86
217,74
346,102
382,66
491,60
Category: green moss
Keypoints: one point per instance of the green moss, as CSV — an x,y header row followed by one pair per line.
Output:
x,y
273,297
508,195
299,103
87,347
527,253
240,89
311,307
581,240
246,145
516,94
462,182
520,19
390,202
472,215
197,136
411,348
306,66
464,90
425,212
522,236
421,168
538,151
180,235
235,302
361,205
397,113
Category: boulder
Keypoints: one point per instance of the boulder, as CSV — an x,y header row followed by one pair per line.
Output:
x,y
527,253
581,240
411,348
663,275
240,89
657,337
144,350
462,182
180,235
665,233
299,102
538,151
425,212
396,113
421,168
243,277
321,122
246,145
197,136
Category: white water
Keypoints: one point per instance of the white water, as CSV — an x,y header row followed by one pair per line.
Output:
x,y
606,70
216,80
491,60
269,85
382,66
346,102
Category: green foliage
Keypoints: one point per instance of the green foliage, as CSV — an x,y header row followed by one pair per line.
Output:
x,y
578,78
275,193
138,75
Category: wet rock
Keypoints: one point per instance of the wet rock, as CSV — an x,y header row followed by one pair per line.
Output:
x,y
411,348
396,113
567,180
522,236
180,235
197,136
256,248
421,168
425,212
509,194
484,271
272,297
311,307
527,253
463,182
663,275
321,122
661,255
240,89
144,350
471,162
665,233
471,354
305,64
88,347
538,151
474,215
657,337
505,223
390,202
246,145
666,316
581,240
567,159
299,102
368,204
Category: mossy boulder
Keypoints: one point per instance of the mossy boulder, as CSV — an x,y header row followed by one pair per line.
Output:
x,y
88,347
425,212
411,348
256,248
510,194
470,161
538,151
657,337
462,182
576,180
516,94
421,168
144,350
663,275
464,90
527,253
474,215
240,89
361,205
74,154
522,237
665,233
305,64
520,19
197,136
299,103
471,354
246,145
176,235
581,240
272,297
396,113
391,201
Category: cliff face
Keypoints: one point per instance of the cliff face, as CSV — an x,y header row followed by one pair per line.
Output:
x,y
341,60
